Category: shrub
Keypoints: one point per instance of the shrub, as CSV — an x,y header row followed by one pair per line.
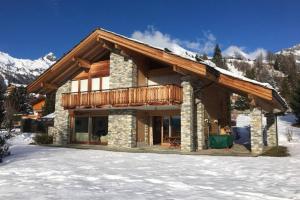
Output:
x,y
43,139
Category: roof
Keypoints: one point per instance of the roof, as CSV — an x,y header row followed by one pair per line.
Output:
x,y
65,68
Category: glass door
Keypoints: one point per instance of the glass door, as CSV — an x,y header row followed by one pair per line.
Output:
x,y
81,129
99,130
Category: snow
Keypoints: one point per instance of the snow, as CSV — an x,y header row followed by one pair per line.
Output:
x,y
49,116
38,172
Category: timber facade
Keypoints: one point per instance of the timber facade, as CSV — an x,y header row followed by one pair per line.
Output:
x,y
111,90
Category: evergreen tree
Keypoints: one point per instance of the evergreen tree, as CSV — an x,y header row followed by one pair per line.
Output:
x,y
218,59
2,91
251,73
49,106
295,102
285,89
242,103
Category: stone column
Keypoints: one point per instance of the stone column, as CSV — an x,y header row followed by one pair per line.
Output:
x,y
187,116
60,130
122,128
122,123
200,125
256,131
271,130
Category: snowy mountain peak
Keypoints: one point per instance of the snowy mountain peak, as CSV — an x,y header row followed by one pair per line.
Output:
x,y
23,71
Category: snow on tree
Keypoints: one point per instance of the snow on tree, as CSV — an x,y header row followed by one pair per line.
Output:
x,y
218,59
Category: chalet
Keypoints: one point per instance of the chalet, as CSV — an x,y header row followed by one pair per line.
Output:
x,y
116,91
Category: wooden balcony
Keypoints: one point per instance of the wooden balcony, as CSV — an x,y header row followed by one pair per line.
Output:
x,y
124,97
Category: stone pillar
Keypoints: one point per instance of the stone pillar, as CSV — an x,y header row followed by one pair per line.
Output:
x,y
122,123
200,125
61,129
256,131
122,128
187,116
271,130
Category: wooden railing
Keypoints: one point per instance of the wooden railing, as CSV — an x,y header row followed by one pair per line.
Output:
x,y
135,96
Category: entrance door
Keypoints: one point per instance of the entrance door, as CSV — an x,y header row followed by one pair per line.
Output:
x,y
156,123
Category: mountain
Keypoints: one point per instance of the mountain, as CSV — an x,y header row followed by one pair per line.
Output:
x,y
295,50
23,71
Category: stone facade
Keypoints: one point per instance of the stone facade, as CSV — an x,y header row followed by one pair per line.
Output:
x,y
123,72
271,130
122,128
122,123
257,144
187,116
60,130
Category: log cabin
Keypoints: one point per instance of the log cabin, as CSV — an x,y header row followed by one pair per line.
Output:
x,y
117,91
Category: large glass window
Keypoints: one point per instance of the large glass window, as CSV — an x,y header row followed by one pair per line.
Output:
x,y
84,85
74,86
95,84
100,129
105,83
175,126
166,128
81,129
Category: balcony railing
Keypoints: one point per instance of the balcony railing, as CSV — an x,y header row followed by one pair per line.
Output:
x,y
135,96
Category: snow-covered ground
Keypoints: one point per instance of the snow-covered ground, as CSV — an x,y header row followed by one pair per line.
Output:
x,y
35,172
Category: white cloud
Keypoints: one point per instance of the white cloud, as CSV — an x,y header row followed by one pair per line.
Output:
x,y
183,47
235,51
159,39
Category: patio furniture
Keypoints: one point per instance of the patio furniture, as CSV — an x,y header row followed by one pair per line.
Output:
x,y
220,141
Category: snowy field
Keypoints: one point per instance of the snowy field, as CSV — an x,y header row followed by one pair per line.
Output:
x,y
34,172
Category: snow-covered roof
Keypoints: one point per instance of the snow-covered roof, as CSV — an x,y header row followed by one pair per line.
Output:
x,y
49,116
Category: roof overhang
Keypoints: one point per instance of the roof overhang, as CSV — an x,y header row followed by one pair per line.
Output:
x,y
100,41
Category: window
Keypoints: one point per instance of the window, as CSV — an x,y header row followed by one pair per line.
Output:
x,y
100,129
81,129
74,86
95,84
84,85
175,125
105,83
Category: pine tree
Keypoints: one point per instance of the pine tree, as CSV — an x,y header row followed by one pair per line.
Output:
x,y
242,103
218,59
295,102
49,106
251,73
2,110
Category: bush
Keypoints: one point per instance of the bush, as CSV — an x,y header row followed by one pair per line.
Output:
x,y
43,139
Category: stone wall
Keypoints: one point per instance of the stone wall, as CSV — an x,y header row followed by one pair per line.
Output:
x,y
60,130
256,131
122,128
187,116
123,72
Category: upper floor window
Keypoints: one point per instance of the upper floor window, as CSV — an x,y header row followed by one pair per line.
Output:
x,y
95,84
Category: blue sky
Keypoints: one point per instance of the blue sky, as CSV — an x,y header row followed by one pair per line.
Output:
x,y
32,28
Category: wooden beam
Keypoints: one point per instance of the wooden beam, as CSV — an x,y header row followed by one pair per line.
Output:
x,y
82,62
49,86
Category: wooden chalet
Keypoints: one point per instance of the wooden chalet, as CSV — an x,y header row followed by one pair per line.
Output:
x,y
116,91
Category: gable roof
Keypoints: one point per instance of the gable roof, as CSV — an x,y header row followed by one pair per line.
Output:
x,y
65,67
